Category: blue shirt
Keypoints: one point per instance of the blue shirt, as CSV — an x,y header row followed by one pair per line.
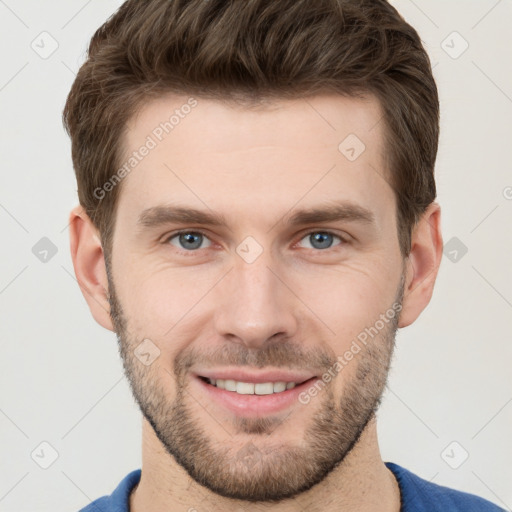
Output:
x,y
417,495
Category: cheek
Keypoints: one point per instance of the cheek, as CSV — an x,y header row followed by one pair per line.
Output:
x,y
159,304
347,301
359,309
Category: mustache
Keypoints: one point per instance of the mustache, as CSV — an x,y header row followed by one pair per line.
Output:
x,y
280,354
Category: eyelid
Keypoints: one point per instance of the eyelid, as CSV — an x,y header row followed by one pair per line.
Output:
x,y
322,229
173,234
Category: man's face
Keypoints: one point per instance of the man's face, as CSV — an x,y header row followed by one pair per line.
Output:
x,y
263,297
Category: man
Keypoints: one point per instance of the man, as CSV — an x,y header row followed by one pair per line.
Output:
x,y
257,218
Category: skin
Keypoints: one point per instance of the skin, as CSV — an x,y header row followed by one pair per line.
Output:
x,y
296,305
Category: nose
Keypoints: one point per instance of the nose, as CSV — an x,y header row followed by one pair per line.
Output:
x,y
255,304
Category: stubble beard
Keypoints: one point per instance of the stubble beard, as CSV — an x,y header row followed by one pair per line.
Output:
x,y
253,468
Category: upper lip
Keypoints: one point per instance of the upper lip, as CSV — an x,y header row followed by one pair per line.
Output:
x,y
257,376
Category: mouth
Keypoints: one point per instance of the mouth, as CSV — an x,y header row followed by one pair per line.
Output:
x,y
252,396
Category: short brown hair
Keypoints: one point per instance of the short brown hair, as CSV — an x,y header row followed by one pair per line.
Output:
x,y
251,50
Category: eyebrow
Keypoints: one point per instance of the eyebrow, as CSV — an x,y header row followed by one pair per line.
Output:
x,y
168,214
330,213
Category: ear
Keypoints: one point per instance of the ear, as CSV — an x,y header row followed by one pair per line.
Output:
x,y
89,265
422,264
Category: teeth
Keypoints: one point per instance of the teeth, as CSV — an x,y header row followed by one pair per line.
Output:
x,y
249,388
245,388
280,386
230,385
266,388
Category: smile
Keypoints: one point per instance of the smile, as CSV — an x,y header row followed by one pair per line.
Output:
x,y
251,388
252,399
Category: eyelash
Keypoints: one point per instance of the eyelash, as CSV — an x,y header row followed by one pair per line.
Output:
x,y
343,241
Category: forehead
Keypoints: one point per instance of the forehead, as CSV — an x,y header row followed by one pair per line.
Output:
x,y
228,157
230,126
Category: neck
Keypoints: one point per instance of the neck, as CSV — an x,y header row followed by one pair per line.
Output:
x,y
360,483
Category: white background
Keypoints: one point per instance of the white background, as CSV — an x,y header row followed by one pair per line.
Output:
x,y
61,378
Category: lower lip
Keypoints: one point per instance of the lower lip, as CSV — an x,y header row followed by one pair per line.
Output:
x,y
254,405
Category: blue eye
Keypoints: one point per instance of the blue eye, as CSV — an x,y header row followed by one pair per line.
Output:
x,y
321,239
188,240
191,241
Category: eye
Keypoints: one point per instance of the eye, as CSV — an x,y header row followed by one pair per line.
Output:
x,y
188,240
321,239
193,240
